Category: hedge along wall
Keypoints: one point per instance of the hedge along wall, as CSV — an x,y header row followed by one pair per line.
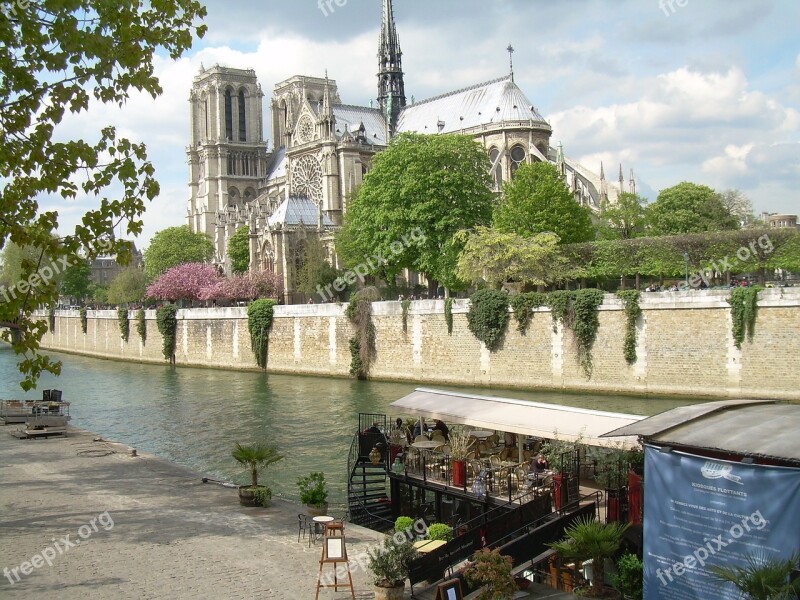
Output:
x,y
684,345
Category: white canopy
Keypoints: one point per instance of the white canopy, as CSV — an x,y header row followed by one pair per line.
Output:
x,y
518,416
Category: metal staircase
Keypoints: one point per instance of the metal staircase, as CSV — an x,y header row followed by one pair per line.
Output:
x,y
367,484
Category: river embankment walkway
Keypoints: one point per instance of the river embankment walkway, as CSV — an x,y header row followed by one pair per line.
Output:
x,y
87,520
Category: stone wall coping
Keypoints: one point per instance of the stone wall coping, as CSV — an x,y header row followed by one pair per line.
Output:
x,y
691,299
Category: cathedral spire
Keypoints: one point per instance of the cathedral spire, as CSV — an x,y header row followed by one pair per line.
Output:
x,y
621,179
326,119
391,89
632,184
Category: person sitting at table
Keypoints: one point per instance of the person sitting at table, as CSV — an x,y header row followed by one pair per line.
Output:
x,y
439,425
373,429
540,464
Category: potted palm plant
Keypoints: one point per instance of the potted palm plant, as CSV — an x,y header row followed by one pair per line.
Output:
x,y
587,538
762,578
459,448
389,566
254,457
314,493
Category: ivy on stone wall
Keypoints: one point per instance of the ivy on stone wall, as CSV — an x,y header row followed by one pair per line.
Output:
x,y
362,346
124,323
84,319
488,317
744,310
404,304
448,315
524,305
259,322
167,322
577,311
141,326
51,320
630,301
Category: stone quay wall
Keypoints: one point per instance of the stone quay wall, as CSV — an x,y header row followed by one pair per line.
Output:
x,y
684,346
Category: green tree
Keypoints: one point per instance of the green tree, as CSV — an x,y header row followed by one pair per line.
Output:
x,y
689,208
174,246
19,262
498,257
536,200
128,286
239,250
76,281
624,220
55,58
99,294
315,271
435,185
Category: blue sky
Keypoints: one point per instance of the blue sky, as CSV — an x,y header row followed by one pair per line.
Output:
x,y
678,90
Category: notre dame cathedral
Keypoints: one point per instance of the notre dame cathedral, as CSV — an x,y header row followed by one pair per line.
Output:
x,y
322,149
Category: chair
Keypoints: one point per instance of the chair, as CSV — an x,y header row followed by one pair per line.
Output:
x,y
302,525
495,461
420,438
437,436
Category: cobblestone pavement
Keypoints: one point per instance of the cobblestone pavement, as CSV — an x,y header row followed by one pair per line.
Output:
x,y
165,535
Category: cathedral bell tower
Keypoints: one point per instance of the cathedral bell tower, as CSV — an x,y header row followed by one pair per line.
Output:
x,y
391,89
227,154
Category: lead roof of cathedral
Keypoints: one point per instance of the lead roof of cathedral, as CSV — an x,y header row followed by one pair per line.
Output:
x,y
487,103
354,116
298,210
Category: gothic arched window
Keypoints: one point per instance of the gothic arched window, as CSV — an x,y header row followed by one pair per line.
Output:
x,y
228,115
242,122
497,168
517,158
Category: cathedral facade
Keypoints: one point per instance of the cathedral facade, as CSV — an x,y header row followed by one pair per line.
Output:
x,y
322,149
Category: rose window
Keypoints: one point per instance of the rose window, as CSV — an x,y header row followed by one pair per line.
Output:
x,y
307,178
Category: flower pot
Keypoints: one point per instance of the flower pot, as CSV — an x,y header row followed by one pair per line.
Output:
x,y
389,593
459,473
317,511
246,495
375,455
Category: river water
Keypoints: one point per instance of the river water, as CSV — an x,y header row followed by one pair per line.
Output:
x,y
195,416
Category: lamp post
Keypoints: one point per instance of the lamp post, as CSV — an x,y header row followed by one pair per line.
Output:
x,y
686,261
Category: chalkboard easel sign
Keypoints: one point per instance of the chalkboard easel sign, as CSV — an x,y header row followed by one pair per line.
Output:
x,y
449,590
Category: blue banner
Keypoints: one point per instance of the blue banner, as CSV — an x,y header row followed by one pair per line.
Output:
x,y
700,512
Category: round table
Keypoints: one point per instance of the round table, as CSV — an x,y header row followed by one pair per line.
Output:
x,y
319,525
481,434
427,445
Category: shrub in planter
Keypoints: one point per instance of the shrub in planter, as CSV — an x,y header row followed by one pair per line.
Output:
x,y
389,566
440,531
314,492
262,495
629,577
403,524
492,571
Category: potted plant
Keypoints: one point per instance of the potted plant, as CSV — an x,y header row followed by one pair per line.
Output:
x,y
389,566
440,531
628,580
459,448
314,493
254,456
588,538
762,578
492,572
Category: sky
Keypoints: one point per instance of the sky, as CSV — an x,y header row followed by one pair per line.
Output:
x,y
706,91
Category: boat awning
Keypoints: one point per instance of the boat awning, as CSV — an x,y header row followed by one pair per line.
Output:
x,y
762,428
518,416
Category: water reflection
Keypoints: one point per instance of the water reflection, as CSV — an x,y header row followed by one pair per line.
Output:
x,y
194,416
